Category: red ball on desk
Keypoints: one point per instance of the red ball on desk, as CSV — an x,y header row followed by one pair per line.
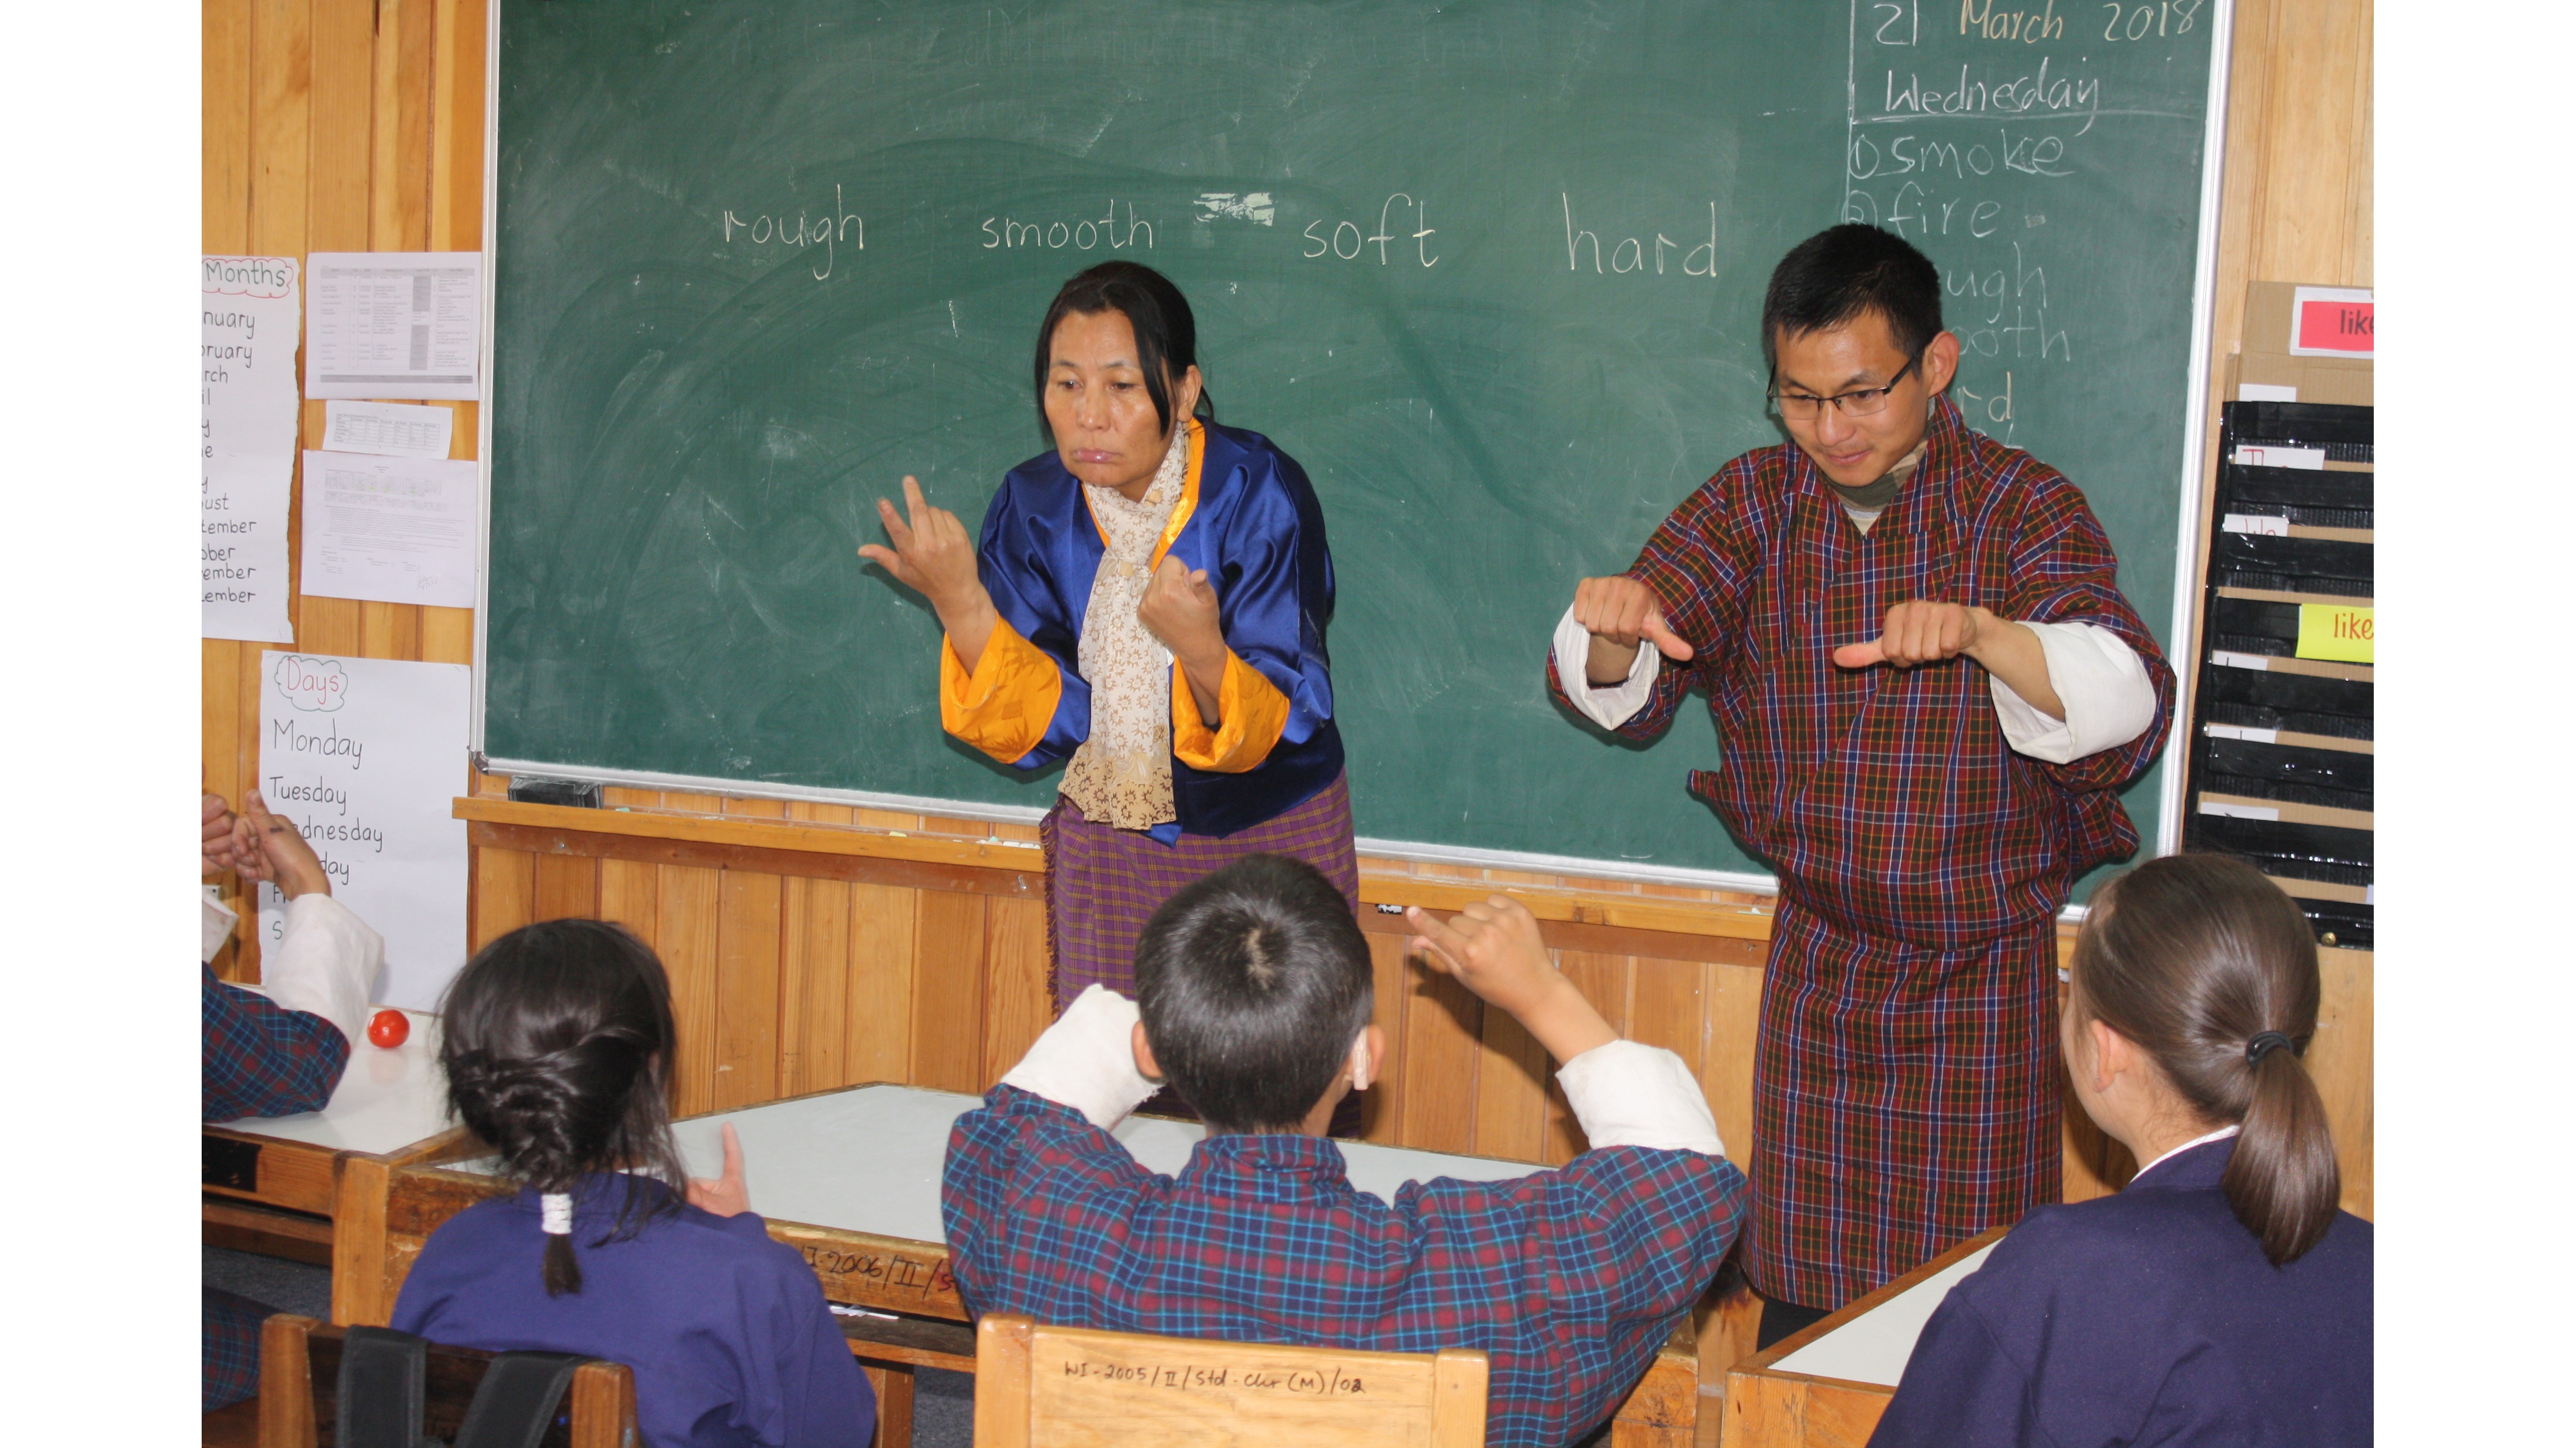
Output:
x,y
389,1028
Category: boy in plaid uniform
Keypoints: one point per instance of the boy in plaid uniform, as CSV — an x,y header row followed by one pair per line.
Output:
x,y
281,1049
1254,989
1929,690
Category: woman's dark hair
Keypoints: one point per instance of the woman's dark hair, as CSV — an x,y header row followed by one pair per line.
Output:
x,y
2191,957
1167,336
1252,983
558,1052
1843,271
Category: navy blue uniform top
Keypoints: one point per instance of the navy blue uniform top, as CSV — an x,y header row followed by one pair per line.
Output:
x,y
2147,1317
726,1330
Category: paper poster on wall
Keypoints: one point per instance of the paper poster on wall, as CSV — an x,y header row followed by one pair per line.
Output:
x,y
396,530
2333,322
389,429
251,317
365,756
395,324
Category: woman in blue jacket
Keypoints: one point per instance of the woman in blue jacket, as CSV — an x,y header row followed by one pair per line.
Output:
x,y
1147,602
2220,1297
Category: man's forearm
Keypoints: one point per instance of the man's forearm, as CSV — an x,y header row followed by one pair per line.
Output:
x,y
2013,654
1608,665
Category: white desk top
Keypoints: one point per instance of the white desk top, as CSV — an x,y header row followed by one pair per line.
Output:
x,y
868,1160
1873,1347
386,1100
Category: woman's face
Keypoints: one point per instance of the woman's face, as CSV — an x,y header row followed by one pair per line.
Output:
x,y
1096,403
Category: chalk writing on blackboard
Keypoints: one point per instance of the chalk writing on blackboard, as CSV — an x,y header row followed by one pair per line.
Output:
x,y
1080,234
766,228
1321,244
1635,253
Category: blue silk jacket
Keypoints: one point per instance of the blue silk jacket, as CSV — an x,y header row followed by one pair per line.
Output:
x,y
1248,517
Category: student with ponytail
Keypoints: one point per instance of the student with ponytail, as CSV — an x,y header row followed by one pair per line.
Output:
x,y
2221,1297
558,1048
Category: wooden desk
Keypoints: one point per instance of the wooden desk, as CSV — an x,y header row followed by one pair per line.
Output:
x,y
276,1174
1826,1387
850,1178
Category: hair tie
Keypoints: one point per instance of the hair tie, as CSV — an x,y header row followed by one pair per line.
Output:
x,y
557,1207
2263,1044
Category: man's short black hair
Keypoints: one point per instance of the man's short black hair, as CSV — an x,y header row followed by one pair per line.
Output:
x,y
1253,982
1843,271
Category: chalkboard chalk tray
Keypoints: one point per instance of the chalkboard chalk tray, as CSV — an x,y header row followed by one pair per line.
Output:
x,y
1491,272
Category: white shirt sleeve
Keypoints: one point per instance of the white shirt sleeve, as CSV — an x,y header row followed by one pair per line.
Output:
x,y
327,964
214,924
1087,1059
1627,1094
1617,704
2109,699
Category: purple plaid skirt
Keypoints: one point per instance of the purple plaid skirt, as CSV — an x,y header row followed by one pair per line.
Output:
x,y
1104,883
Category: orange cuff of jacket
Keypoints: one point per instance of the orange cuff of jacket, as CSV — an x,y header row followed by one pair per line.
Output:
x,y
1251,712
1005,706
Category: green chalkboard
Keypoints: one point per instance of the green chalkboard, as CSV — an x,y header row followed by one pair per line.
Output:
x,y
1490,271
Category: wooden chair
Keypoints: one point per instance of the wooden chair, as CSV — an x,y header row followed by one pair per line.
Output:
x,y
299,1383
1059,1387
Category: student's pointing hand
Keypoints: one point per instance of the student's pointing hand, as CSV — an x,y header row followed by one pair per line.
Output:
x,y
726,1196
1494,949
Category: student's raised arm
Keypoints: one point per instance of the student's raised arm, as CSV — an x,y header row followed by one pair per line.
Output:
x,y
1623,1093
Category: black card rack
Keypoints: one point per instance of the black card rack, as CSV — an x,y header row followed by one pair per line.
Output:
x,y
2280,750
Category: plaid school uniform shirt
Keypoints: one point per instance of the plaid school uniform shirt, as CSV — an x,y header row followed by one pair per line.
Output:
x,y
1906,1079
1568,1279
261,1059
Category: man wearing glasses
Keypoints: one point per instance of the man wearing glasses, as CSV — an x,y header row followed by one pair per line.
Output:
x,y
1928,690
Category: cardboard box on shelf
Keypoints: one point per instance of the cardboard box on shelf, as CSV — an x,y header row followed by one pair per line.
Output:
x,y
2328,360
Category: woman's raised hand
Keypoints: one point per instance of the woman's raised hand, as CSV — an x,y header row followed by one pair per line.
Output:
x,y
932,554
935,556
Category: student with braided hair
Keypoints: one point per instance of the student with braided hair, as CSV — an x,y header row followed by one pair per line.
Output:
x,y
2221,1297
558,1048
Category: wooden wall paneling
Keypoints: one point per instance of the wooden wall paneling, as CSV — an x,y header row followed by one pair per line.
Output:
x,y
1382,1110
748,961
876,1033
948,991
630,894
1438,1057
1666,1008
1017,1003
1603,979
2340,1059
566,888
685,936
505,894
1731,997
813,980
337,208
1511,1090
455,223
224,119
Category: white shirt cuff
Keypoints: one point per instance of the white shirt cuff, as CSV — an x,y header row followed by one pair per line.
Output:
x,y
1609,707
2109,699
1087,1059
327,964
214,924
1627,1094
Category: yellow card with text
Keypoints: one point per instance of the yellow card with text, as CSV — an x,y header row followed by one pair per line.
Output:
x,y
2335,631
